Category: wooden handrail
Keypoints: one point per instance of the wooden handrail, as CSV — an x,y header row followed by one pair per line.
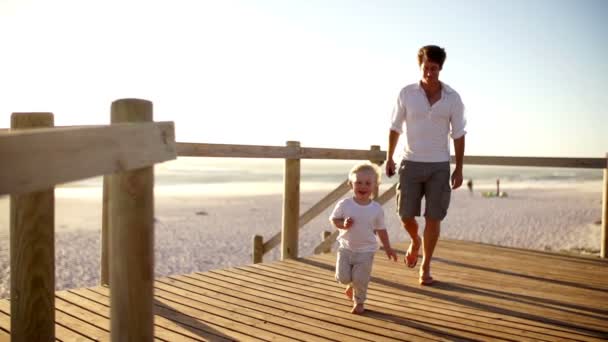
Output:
x,y
283,152
261,151
69,154
585,163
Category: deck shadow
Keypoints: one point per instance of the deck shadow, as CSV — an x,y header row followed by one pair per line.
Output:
x,y
470,303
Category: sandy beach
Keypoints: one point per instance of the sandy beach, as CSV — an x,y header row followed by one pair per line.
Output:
x,y
198,233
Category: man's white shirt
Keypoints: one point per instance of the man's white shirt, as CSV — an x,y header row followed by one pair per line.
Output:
x,y
428,127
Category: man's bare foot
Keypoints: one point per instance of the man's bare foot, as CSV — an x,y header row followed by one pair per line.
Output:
x,y
349,292
357,309
411,256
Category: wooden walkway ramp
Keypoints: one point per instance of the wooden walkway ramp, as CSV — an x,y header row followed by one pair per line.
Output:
x,y
484,293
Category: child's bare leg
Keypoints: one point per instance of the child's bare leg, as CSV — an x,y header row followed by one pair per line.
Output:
x,y
349,292
357,309
361,276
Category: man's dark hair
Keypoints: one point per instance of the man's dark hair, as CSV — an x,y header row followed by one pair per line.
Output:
x,y
433,53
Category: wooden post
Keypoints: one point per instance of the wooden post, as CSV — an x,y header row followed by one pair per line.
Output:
x,y
377,162
324,235
105,237
131,236
291,206
258,249
604,241
32,253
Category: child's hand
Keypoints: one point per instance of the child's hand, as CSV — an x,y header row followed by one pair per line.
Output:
x,y
390,254
348,222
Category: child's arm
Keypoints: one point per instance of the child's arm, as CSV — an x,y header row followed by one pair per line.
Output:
x,y
342,223
383,235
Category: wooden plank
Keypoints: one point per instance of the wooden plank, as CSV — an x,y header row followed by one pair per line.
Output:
x,y
442,308
281,325
334,321
243,323
552,308
4,336
283,152
484,293
90,301
335,316
527,286
169,325
463,328
310,320
257,151
339,307
69,154
61,332
585,163
5,319
185,317
93,325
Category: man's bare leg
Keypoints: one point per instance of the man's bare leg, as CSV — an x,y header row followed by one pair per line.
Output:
x,y
411,226
431,236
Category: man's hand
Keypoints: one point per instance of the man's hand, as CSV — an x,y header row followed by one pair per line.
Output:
x,y
390,167
348,222
456,179
390,254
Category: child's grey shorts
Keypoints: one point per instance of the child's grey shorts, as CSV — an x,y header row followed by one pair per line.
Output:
x,y
428,180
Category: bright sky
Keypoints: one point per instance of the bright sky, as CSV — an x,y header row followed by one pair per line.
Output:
x,y
326,73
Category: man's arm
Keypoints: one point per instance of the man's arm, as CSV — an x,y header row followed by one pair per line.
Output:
x,y
459,155
393,138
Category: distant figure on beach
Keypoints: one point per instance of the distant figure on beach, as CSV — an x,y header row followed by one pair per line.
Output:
x,y
358,218
470,185
429,111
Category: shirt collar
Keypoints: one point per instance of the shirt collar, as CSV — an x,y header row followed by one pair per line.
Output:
x,y
444,87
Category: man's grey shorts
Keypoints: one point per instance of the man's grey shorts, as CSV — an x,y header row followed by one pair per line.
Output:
x,y
428,180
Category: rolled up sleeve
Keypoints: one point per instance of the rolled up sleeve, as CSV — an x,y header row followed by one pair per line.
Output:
x,y
458,120
398,116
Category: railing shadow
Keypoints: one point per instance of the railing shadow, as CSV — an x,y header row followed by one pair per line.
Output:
x,y
471,303
515,274
189,323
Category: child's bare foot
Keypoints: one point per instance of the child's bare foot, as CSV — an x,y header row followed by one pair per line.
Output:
x,y
357,309
425,277
349,292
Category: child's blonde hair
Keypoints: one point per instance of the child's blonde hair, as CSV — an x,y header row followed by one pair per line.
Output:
x,y
365,166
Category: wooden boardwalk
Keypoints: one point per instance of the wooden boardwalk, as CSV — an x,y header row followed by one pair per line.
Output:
x,y
483,293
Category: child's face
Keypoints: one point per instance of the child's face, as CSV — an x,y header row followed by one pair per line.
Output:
x,y
363,185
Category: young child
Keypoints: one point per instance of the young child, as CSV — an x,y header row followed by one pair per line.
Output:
x,y
358,218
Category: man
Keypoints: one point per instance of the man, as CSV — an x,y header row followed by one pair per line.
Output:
x,y
430,111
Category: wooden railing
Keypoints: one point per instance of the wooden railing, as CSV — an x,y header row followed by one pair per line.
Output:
x,y
293,152
36,157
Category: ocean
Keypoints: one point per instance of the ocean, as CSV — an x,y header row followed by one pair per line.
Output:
x,y
245,176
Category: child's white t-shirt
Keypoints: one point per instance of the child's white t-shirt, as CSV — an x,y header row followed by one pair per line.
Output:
x,y
366,218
